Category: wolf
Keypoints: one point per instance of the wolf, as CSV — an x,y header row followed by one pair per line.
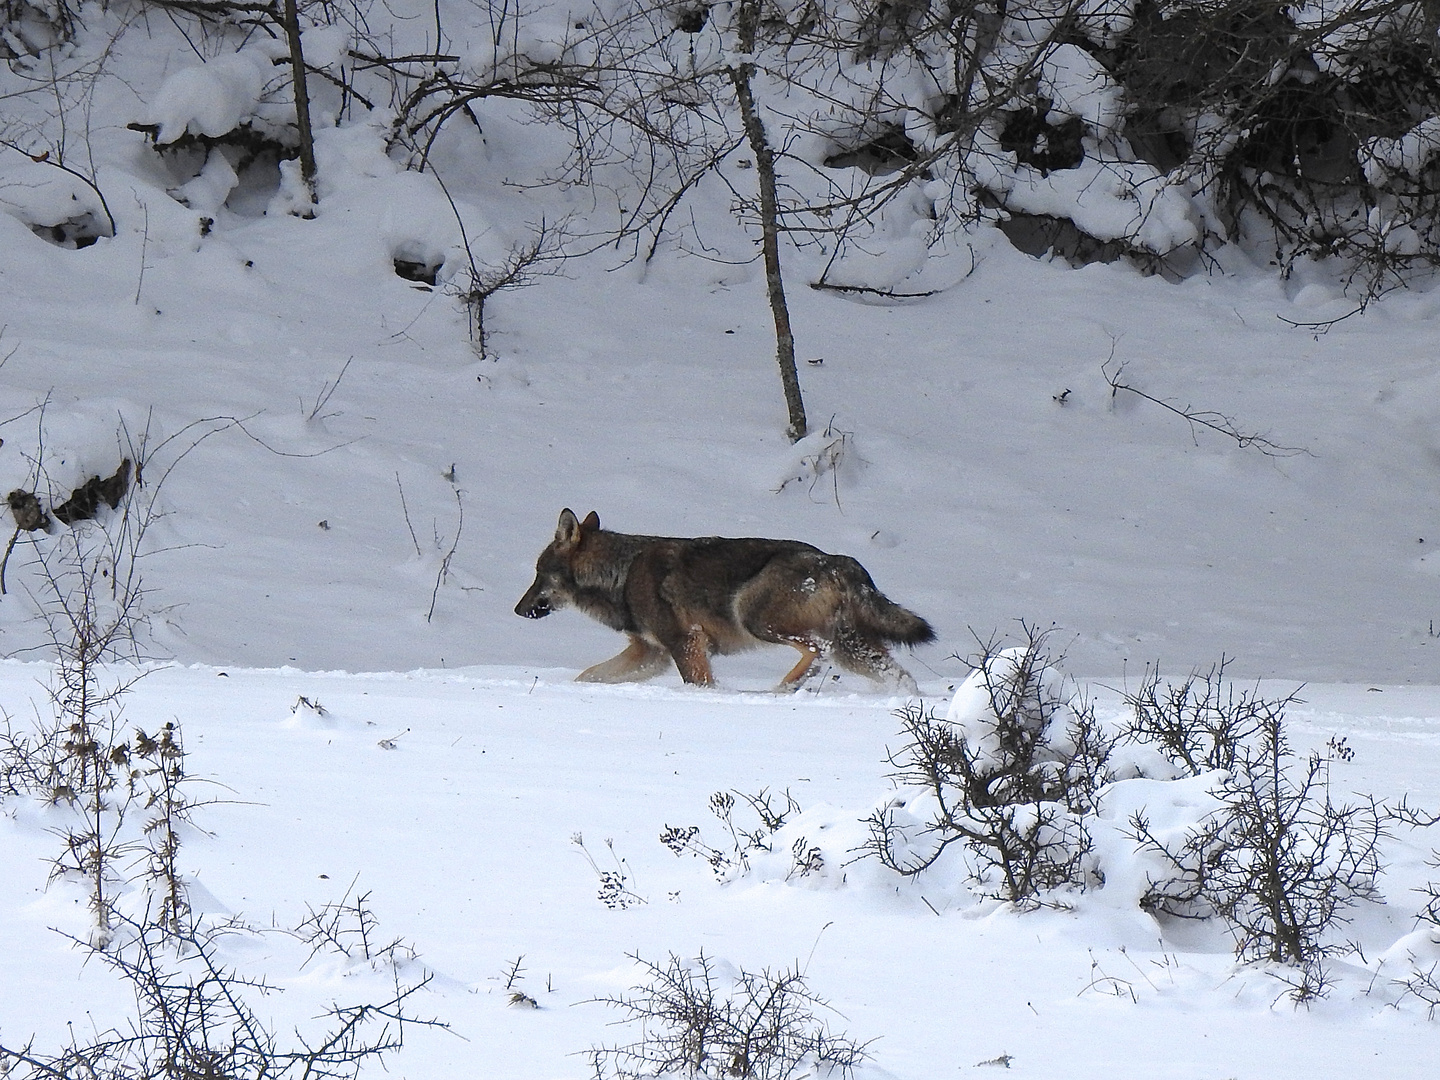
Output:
x,y
685,599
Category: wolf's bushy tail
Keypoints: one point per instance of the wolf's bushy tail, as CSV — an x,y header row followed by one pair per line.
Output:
x,y
876,614
889,621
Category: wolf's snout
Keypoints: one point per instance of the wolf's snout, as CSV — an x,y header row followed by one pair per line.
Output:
x,y
532,609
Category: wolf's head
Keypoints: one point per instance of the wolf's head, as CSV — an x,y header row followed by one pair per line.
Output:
x,y
554,586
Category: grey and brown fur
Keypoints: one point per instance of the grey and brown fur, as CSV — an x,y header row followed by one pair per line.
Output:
x,y
688,599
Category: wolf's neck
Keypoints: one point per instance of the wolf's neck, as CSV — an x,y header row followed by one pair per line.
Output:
x,y
601,574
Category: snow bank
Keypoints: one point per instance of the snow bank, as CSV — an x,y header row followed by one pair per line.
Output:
x,y
211,98
40,194
1382,158
1106,199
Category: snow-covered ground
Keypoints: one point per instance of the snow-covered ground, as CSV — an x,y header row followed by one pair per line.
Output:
x,y
367,511
461,836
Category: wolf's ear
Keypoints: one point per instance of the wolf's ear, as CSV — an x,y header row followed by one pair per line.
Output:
x,y
567,533
591,522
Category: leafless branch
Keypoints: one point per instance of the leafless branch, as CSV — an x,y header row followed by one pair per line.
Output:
x,y
1202,418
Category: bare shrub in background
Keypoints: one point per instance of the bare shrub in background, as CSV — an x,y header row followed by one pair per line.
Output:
x,y
129,794
92,615
699,1018
131,807
1281,861
1199,724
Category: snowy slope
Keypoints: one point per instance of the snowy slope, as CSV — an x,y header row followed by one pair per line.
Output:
x,y
650,394
966,489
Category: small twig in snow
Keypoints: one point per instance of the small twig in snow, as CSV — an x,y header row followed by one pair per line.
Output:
x,y
326,391
1206,418
406,509
1322,327
144,247
445,562
6,560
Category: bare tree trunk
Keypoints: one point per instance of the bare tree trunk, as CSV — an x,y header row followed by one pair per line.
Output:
x,y
747,25
291,18
1430,25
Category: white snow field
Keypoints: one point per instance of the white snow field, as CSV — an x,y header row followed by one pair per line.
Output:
x,y
461,837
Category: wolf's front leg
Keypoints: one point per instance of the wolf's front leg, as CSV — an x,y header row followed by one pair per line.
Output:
x,y
692,657
639,661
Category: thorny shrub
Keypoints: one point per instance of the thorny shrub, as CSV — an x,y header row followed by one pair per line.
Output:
x,y
193,1017
1282,862
1014,773
194,1020
1422,980
348,927
1009,773
131,806
701,1018
1200,724
128,796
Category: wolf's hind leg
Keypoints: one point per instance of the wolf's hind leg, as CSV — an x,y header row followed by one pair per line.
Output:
x,y
797,675
639,661
873,660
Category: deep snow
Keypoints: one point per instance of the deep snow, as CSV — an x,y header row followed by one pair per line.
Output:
x,y
462,837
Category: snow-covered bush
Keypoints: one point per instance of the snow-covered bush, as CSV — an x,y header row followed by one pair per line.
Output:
x,y
1094,129
55,202
29,27
210,99
1276,857
1303,129
1280,860
1010,773
1193,808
